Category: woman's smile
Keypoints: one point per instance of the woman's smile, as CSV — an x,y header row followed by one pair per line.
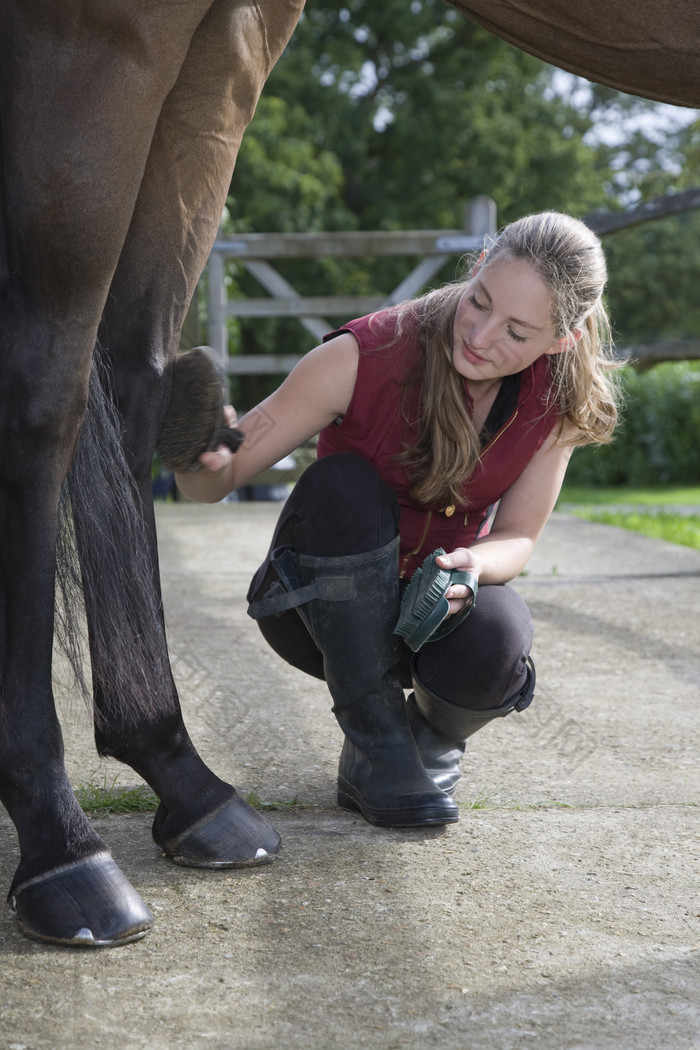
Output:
x,y
471,355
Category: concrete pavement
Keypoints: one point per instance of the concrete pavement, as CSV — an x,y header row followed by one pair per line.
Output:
x,y
561,911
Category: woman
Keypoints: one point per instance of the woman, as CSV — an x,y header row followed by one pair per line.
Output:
x,y
446,422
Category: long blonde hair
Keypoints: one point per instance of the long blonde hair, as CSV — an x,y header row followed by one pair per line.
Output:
x,y
569,258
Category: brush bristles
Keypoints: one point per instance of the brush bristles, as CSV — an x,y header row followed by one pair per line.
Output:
x,y
194,419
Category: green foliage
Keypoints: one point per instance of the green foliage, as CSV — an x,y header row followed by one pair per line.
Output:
x,y
654,278
286,179
423,110
658,439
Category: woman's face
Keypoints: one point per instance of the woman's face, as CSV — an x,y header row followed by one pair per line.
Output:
x,y
502,323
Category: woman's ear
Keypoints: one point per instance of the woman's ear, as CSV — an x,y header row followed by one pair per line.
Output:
x,y
566,342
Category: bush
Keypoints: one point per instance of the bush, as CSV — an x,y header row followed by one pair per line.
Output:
x,y
658,439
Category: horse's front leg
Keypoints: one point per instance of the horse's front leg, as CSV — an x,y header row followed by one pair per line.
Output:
x,y
72,160
201,820
67,889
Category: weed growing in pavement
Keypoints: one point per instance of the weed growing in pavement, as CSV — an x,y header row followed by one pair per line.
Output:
x,y
107,797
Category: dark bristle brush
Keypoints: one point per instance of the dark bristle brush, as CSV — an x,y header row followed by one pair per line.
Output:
x,y
194,421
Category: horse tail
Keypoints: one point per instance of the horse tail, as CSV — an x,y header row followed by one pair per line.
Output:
x,y
107,574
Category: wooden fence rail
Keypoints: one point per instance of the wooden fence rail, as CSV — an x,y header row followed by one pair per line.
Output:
x,y
435,247
255,250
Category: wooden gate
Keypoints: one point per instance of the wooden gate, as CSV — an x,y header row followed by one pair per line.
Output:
x,y
256,250
435,247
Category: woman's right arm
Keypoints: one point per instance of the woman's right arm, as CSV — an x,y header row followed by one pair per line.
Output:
x,y
315,392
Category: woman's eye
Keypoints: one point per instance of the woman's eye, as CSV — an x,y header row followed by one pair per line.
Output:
x,y
518,338
475,302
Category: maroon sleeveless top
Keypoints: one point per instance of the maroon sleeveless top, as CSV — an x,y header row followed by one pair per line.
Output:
x,y
374,428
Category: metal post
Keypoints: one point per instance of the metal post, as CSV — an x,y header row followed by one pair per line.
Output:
x,y
217,329
480,216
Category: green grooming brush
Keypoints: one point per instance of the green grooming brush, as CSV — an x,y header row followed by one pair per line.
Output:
x,y
424,607
194,421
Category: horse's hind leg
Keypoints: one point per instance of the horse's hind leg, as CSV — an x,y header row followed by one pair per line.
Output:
x,y
201,820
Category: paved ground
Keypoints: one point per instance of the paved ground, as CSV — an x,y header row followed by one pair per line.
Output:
x,y
561,912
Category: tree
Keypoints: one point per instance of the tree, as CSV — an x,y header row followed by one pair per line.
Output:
x,y
655,268
392,115
423,110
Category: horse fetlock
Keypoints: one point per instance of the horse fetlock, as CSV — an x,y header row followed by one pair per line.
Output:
x,y
168,761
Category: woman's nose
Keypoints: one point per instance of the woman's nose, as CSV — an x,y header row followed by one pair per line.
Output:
x,y
480,335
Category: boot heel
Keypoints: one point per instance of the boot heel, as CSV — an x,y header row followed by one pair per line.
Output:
x,y
346,801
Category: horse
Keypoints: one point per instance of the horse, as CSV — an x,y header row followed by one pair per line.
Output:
x,y
119,127
643,47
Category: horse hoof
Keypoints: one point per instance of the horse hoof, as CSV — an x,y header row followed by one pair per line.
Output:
x,y
234,836
87,904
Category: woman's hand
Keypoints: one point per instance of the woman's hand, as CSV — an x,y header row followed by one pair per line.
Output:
x,y
316,392
217,460
214,479
221,457
465,560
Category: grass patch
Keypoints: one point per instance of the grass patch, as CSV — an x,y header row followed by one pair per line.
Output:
x,y
650,511
481,801
108,798
683,529
484,801
653,496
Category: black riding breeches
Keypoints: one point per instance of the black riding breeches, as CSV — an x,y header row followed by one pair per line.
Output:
x,y
341,506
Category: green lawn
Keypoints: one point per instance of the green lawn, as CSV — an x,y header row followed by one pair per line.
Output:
x,y
656,496
651,511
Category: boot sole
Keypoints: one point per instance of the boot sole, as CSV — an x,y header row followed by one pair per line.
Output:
x,y
424,816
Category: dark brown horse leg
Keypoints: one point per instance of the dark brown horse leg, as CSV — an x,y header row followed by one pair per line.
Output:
x,y
67,889
201,820
72,160
61,856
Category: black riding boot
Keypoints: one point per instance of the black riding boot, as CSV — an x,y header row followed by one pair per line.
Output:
x,y
350,605
441,728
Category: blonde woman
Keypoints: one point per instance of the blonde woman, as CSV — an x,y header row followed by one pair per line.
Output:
x,y
446,422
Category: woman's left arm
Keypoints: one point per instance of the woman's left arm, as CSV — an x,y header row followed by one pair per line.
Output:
x,y
522,514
